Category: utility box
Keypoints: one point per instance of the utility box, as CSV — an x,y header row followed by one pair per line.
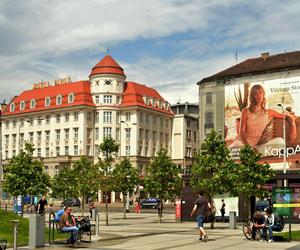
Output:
x,y
36,231
232,220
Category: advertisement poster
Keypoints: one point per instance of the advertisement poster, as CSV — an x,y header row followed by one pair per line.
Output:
x,y
256,113
286,202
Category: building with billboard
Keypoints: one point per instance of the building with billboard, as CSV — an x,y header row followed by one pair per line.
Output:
x,y
257,102
66,120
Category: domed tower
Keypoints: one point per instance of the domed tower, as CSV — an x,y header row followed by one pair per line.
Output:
x,y
107,76
107,80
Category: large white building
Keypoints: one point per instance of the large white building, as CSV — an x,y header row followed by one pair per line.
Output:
x,y
68,119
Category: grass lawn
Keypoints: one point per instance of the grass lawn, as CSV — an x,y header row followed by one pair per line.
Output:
x,y
6,229
285,235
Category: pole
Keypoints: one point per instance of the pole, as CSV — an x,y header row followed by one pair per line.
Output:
x,y
15,224
284,145
284,156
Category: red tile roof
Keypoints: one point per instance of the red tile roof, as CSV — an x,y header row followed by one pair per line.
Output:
x,y
107,66
80,89
259,65
134,93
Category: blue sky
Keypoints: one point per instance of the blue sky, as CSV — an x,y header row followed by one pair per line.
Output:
x,y
166,44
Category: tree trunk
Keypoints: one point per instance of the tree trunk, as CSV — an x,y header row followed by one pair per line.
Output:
x,y
82,206
22,207
106,208
124,203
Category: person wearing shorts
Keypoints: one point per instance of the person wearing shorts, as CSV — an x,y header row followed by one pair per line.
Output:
x,y
201,207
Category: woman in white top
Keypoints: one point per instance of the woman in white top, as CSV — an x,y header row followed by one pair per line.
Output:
x,y
270,218
255,118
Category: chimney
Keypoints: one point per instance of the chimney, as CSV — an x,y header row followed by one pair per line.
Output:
x,y
265,55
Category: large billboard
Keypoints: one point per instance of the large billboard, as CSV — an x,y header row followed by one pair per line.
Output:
x,y
256,113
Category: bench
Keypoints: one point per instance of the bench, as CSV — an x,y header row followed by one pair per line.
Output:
x,y
54,226
3,244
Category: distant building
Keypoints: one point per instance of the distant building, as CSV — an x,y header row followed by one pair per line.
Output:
x,y
185,135
69,119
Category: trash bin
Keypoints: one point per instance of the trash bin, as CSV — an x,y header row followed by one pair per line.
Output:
x,y
232,220
178,210
94,213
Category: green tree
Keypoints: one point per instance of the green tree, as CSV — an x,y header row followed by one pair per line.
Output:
x,y
64,184
82,180
125,178
108,148
87,178
250,175
25,176
163,178
212,171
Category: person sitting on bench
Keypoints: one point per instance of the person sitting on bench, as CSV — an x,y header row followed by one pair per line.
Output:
x,y
59,213
259,222
273,223
67,224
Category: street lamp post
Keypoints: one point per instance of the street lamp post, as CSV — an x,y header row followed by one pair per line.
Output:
x,y
284,149
127,196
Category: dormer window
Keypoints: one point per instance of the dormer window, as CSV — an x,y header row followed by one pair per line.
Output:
x,y
146,100
159,104
12,107
59,100
71,98
22,105
32,103
47,101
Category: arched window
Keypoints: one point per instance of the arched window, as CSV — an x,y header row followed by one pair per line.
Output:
x,y
47,101
59,100
12,107
71,98
22,105
32,103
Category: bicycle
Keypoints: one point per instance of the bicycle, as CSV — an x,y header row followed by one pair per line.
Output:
x,y
247,230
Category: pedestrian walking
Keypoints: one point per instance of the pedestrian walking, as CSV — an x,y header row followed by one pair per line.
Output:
x,y
137,207
222,210
201,208
41,205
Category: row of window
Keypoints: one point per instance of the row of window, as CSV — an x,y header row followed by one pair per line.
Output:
x,y
40,119
153,119
32,102
47,135
56,153
106,99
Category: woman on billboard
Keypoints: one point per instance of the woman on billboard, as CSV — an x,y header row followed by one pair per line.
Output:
x,y
255,120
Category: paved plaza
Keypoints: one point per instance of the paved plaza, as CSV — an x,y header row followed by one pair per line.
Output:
x,y
141,232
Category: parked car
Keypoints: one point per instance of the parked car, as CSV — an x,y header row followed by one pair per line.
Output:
x,y
72,202
261,205
150,203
